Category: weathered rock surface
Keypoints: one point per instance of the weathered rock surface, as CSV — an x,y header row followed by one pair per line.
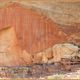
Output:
x,y
65,50
9,48
13,55
74,38
63,12
35,32
55,53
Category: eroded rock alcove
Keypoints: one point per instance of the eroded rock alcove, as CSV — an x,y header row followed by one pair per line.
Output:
x,y
35,32
43,33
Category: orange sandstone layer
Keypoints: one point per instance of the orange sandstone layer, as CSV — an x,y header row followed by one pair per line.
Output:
x,y
10,51
35,32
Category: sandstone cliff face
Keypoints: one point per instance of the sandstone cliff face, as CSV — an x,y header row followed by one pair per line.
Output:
x,y
35,32
64,12
10,51
56,53
73,32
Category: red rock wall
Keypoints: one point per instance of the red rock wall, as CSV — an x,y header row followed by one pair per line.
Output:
x,y
10,51
73,32
34,31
